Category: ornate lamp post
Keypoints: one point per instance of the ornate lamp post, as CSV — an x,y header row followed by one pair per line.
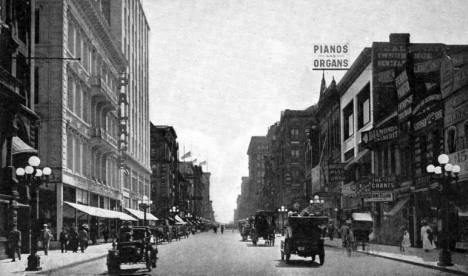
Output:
x,y
317,202
34,177
282,210
174,210
145,204
444,174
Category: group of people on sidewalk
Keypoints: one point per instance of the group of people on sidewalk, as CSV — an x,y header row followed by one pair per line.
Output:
x,y
72,240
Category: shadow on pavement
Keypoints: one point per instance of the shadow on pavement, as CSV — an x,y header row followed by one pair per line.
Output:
x,y
259,245
298,263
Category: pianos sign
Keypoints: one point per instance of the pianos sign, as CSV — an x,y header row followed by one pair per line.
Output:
x,y
332,56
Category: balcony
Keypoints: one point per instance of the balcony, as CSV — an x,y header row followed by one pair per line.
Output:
x,y
101,137
100,88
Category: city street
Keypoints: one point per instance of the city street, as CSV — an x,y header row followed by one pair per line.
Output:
x,y
209,254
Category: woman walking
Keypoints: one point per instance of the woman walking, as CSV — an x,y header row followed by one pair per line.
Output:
x,y
426,236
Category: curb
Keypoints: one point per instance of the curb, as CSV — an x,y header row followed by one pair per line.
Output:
x,y
440,268
73,264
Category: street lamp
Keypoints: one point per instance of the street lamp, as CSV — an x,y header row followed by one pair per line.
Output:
x,y
282,210
174,210
444,174
34,177
145,204
317,202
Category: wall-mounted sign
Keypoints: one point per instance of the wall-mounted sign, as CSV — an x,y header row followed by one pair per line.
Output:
x,y
379,197
428,110
460,158
380,135
446,75
331,56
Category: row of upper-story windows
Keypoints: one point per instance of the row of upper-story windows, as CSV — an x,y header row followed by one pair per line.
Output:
x,y
80,46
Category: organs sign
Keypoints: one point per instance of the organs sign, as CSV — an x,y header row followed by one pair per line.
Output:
x,y
333,56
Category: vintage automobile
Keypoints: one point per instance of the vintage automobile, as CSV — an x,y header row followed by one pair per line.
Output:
x,y
305,237
134,245
362,227
264,227
244,229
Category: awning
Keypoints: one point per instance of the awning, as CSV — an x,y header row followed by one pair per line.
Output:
x,y
362,217
19,146
400,203
357,159
179,220
140,214
99,212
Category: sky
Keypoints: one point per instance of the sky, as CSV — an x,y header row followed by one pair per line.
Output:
x,y
222,71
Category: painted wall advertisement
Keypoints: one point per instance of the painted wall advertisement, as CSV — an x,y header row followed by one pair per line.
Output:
x,y
330,56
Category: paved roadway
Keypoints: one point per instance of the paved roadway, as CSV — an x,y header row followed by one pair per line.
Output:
x,y
210,254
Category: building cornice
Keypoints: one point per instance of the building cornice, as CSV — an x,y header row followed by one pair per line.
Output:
x,y
358,66
89,9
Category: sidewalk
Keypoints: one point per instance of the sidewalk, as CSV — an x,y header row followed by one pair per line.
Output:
x,y
54,260
416,256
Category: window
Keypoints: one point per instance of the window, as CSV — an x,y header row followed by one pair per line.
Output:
x,y
36,85
78,100
451,143
348,123
37,25
126,181
295,153
294,134
70,151
363,99
71,38
71,95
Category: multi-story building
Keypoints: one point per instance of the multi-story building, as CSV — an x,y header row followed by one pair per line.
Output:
x,y
165,168
18,121
257,152
129,25
93,108
244,199
393,126
289,157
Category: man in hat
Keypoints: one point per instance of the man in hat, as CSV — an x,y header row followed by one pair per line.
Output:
x,y
15,242
64,239
46,236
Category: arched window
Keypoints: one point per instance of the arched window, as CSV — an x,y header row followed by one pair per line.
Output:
x,y
451,140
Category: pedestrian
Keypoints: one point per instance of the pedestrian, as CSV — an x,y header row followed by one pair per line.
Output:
x,y
400,238
46,236
331,231
74,240
406,243
83,237
15,242
222,228
63,239
105,234
426,236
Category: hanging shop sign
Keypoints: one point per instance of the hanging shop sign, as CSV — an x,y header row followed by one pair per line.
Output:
x,y
382,183
422,182
331,56
336,172
379,197
403,192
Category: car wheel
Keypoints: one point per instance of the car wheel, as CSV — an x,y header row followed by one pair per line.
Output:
x,y
287,251
322,258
